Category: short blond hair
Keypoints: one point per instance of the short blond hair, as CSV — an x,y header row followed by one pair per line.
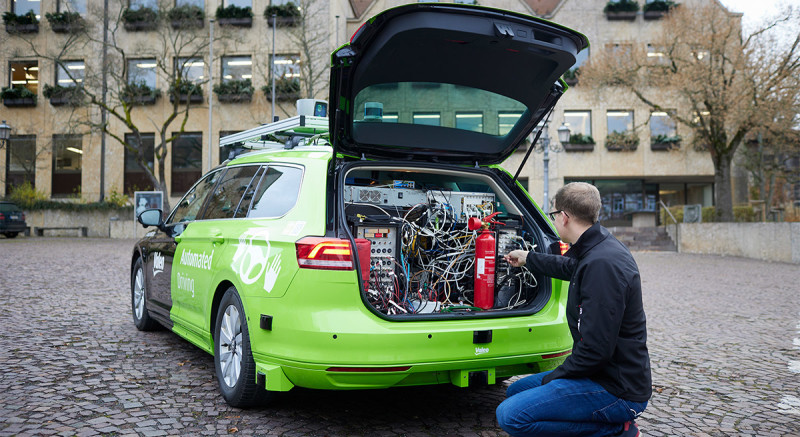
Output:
x,y
580,200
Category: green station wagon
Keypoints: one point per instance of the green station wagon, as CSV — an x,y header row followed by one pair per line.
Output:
x,y
348,260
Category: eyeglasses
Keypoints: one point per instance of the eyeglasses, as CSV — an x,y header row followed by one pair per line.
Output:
x,y
552,214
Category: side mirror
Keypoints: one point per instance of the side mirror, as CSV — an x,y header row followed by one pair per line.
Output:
x,y
151,217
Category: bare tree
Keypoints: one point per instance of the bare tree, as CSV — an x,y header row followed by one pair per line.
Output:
x,y
177,45
727,85
312,38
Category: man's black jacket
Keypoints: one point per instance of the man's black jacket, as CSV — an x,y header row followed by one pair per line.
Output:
x,y
604,313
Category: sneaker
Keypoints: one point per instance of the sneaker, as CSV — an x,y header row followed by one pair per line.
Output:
x,y
629,429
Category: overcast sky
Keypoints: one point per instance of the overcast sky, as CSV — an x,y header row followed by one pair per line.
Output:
x,y
755,11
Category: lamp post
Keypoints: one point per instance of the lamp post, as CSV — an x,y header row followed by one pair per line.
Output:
x,y
5,133
544,145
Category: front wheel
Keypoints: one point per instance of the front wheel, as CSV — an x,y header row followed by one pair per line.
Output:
x,y
141,318
233,359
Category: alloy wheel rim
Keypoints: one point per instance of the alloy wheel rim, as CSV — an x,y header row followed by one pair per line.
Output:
x,y
138,294
230,346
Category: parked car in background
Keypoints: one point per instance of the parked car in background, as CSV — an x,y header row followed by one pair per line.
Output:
x,y
12,219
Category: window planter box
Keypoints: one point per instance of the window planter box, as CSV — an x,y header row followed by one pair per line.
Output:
x,y
187,24
283,96
662,147
654,15
185,98
142,100
236,22
284,21
140,26
70,100
25,102
621,16
22,28
67,27
613,147
236,98
576,147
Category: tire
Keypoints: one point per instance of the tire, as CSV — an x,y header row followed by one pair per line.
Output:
x,y
141,317
11,234
233,358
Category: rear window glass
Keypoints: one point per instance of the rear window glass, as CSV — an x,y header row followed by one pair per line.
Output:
x,y
277,192
226,198
438,104
8,207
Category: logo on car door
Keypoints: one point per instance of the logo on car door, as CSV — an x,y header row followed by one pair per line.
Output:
x,y
252,259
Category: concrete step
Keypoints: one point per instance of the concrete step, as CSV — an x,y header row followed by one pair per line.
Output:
x,y
644,239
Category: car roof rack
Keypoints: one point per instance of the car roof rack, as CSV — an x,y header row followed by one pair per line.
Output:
x,y
294,129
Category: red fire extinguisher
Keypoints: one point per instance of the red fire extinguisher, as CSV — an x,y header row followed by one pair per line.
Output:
x,y
484,261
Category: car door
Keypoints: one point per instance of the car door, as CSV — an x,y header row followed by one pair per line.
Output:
x,y
203,245
164,244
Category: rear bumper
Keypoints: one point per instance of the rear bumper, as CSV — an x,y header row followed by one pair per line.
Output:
x,y
12,227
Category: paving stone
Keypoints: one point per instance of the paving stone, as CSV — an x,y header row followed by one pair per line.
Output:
x,y
720,335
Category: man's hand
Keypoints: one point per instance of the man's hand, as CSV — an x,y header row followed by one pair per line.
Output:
x,y
516,257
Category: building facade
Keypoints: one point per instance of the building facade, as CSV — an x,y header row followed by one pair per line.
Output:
x,y
53,147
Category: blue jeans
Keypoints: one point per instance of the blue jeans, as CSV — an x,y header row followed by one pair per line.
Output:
x,y
563,407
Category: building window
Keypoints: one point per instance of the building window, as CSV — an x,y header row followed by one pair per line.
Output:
x,y
427,118
506,121
579,122
70,73
20,161
620,121
142,71
136,178
187,161
225,151
67,160
661,124
287,66
239,3
25,74
138,4
237,68
198,3
21,7
656,55
472,121
190,69
78,6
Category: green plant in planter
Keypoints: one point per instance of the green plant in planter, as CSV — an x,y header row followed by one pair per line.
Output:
x,y
64,18
139,15
72,94
17,92
621,6
26,18
139,89
184,87
581,139
286,15
234,11
659,6
622,141
235,87
283,87
186,14
664,139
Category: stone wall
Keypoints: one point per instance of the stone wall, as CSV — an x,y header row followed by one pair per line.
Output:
x,y
765,241
114,223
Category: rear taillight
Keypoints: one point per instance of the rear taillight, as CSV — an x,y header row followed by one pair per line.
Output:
x,y
563,246
23,216
2,217
324,253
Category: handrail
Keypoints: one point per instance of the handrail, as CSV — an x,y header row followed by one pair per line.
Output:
x,y
668,211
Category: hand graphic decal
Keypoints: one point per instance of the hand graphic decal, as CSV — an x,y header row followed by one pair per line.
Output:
x,y
271,274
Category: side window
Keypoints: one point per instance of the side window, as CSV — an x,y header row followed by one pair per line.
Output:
x,y
277,193
189,206
224,201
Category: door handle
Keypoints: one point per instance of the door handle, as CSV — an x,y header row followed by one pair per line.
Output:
x,y
178,238
217,239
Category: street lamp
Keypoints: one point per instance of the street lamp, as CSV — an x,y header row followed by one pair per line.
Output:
x,y
544,145
5,133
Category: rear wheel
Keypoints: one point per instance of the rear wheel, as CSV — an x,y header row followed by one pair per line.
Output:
x,y
141,318
11,234
233,358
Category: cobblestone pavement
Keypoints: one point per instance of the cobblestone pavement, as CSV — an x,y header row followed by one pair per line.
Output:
x,y
724,341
